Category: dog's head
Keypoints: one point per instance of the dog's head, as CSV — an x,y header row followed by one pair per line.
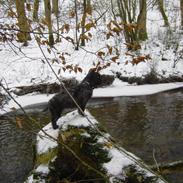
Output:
x,y
94,78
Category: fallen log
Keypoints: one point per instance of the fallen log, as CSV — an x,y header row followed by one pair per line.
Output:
x,y
50,88
166,168
81,151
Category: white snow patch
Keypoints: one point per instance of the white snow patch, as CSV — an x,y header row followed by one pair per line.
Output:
x,y
130,90
45,138
118,161
42,169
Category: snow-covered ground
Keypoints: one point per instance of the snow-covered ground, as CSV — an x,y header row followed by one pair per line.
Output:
x,y
26,65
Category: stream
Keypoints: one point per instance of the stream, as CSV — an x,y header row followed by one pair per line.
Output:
x,y
151,127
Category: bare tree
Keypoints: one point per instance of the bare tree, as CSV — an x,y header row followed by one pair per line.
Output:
x,y
76,24
181,9
134,24
47,6
24,34
35,10
141,21
83,21
162,11
55,8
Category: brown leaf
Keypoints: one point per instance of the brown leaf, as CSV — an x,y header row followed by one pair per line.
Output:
x,y
11,14
28,6
89,34
80,69
19,122
13,109
69,39
69,67
108,64
88,26
114,58
72,14
99,69
89,10
84,37
65,28
75,69
64,69
109,34
109,49
49,50
101,53
63,59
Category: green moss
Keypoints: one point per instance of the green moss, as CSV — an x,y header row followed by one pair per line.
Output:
x,y
47,157
137,176
84,142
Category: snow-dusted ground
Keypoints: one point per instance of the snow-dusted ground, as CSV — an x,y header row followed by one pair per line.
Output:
x,y
27,67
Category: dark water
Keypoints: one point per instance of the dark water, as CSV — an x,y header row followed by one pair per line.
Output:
x,y
147,125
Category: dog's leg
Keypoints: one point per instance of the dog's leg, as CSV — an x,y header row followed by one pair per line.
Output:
x,y
55,115
82,106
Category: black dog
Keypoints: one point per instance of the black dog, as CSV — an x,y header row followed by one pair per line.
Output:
x,y
81,93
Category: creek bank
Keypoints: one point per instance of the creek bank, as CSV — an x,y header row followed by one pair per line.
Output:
x,y
150,78
50,88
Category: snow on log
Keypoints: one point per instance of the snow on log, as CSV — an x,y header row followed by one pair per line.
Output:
x,y
84,152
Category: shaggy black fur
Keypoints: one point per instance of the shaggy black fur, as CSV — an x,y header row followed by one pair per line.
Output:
x,y
82,93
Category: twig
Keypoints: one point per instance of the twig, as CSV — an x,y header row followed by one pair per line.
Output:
x,y
157,166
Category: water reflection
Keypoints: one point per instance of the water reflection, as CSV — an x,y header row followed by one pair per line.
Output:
x,y
145,124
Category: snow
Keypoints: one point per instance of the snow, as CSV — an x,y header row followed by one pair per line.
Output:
x,y
130,90
44,142
117,163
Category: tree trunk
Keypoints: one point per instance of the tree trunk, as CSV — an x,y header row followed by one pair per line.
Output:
x,y
181,8
47,6
24,34
35,11
76,29
128,16
83,23
55,9
88,6
141,21
162,11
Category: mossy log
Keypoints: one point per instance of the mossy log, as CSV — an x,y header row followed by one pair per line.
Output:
x,y
167,168
81,151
